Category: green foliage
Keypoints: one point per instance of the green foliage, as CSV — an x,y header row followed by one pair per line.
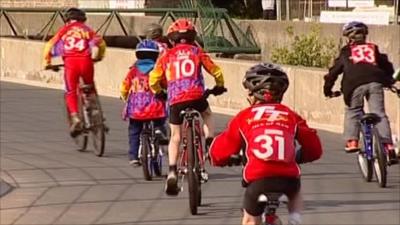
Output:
x,y
306,50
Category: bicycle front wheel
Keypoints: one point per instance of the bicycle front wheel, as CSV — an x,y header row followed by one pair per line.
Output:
x,y
380,164
364,164
193,178
98,129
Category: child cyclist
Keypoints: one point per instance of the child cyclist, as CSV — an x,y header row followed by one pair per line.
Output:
x,y
74,42
365,72
141,105
154,32
181,66
268,130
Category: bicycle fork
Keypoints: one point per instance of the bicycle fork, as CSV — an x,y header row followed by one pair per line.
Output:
x,y
368,140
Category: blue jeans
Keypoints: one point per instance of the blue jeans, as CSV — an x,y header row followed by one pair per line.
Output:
x,y
373,93
134,130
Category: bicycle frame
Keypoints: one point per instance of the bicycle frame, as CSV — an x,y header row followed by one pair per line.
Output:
x,y
366,129
191,121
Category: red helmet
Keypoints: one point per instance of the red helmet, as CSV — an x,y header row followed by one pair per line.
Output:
x,y
182,29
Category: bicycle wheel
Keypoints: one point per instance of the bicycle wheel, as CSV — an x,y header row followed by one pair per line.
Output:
x,y
81,140
156,161
145,157
380,159
364,164
193,179
97,127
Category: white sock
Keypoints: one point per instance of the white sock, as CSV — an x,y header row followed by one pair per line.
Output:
x,y
294,218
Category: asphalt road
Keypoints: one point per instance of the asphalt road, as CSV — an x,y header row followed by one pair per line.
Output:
x,y
55,184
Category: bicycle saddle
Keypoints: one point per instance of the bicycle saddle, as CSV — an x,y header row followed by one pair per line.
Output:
x,y
370,118
273,197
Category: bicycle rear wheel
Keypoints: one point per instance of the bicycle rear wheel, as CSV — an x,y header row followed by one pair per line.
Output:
x,y
380,164
81,140
193,178
97,128
145,157
364,164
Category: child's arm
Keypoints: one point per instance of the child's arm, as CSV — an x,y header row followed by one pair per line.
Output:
x,y
384,63
333,74
311,148
126,85
227,143
156,76
212,69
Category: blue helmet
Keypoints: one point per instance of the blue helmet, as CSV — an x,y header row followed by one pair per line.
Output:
x,y
147,49
147,46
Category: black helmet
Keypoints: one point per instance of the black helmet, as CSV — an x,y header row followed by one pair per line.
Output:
x,y
266,81
154,31
75,14
355,30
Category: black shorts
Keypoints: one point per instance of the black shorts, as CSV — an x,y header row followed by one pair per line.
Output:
x,y
175,110
289,186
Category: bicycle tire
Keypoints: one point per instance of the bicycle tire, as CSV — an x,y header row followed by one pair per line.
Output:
x,y
380,164
144,157
81,140
157,159
97,127
198,171
193,179
365,165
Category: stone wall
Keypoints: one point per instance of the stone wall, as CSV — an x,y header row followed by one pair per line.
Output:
x,y
22,59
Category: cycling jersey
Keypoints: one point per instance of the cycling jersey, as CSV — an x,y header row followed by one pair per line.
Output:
x,y
360,64
268,132
73,43
182,68
141,103
75,39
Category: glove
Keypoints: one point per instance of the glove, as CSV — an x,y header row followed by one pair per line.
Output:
x,y
219,90
328,92
162,95
51,67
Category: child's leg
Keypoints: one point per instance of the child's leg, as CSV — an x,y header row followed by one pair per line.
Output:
x,y
353,113
208,119
134,130
295,206
376,104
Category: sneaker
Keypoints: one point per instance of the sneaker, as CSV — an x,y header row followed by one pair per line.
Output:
x,y
76,125
171,186
391,154
203,176
134,163
352,146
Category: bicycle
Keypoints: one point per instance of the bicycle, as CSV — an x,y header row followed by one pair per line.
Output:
x,y
272,201
150,152
91,115
191,158
371,157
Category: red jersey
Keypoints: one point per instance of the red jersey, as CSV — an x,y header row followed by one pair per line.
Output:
x,y
268,132
75,39
181,67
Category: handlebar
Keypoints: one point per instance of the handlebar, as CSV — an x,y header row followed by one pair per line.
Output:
x,y
395,90
57,67
216,90
335,94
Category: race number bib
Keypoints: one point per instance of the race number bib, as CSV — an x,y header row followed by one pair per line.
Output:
x,y
363,53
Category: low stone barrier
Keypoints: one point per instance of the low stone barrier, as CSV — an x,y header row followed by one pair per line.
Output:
x,y
22,60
